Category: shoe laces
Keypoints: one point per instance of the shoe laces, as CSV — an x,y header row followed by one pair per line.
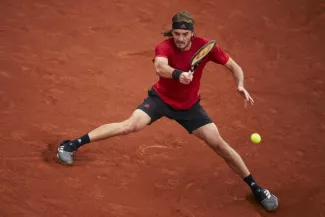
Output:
x,y
261,194
67,147
266,193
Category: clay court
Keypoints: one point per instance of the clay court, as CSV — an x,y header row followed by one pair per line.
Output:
x,y
67,67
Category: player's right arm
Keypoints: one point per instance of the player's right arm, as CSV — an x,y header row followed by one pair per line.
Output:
x,y
166,71
162,67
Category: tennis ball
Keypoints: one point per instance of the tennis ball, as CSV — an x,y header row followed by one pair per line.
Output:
x,y
256,138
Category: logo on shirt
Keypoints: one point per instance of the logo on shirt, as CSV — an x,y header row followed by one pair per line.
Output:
x,y
147,106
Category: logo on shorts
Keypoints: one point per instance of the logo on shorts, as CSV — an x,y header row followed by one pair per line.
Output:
x,y
147,106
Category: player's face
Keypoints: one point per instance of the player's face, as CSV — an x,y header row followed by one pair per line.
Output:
x,y
182,38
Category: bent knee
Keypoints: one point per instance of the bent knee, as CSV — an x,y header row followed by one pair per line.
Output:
x,y
219,145
130,126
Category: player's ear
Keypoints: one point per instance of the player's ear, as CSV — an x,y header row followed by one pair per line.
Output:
x,y
192,35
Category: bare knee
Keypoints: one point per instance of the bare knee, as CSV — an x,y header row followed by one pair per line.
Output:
x,y
137,121
217,144
130,126
220,147
211,136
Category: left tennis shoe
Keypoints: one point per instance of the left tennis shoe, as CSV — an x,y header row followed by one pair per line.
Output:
x,y
65,152
266,199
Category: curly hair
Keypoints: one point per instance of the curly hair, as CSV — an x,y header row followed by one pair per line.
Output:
x,y
182,16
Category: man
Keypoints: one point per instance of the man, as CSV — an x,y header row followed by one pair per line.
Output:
x,y
176,96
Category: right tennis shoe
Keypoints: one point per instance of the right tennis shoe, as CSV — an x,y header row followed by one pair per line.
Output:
x,y
65,152
266,199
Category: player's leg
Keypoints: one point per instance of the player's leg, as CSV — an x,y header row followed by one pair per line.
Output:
x,y
146,113
211,136
137,121
197,122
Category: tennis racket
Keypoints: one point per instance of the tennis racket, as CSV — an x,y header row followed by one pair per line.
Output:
x,y
200,55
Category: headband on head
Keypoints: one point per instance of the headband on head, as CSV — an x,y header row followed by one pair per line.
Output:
x,y
183,25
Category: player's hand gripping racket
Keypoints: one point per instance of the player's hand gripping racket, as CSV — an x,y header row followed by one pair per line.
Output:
x,y
200,54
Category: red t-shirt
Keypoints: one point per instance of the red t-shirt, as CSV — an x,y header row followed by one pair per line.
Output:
x,y
174,93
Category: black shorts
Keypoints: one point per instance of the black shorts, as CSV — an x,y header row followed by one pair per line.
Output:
x,y
191,119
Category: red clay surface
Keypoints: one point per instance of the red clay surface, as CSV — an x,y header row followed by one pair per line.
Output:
x,y
67,67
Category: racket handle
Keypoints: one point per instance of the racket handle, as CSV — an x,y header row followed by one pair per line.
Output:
x,y
191,72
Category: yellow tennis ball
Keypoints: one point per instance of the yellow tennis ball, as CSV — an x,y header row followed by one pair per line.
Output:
x,y
256,138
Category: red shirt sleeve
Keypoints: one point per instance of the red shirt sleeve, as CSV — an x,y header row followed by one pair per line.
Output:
x,y
162,50
219,56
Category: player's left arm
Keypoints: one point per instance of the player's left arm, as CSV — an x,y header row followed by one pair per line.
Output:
x,y
238,74
237,71
220,57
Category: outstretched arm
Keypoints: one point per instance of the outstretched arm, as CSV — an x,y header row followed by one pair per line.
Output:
x,y
236,71
238,74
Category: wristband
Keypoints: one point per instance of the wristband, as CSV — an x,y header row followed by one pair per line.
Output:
x,y
176,73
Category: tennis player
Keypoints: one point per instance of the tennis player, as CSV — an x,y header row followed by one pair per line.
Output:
x,y
176,96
